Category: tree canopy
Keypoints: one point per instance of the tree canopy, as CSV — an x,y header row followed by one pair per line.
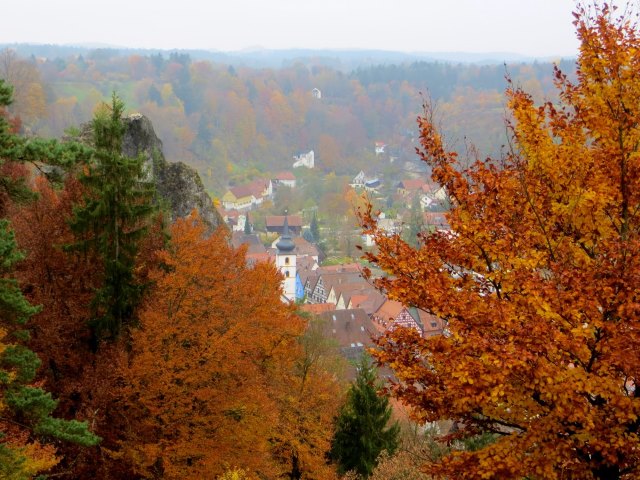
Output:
x,y
362,427
538,279
25,409
113,219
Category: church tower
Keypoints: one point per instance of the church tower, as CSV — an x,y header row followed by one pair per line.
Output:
x,y
286,262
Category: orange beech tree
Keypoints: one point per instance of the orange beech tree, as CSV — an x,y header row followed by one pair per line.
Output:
x,y
309,397
538,280
84,381
213,336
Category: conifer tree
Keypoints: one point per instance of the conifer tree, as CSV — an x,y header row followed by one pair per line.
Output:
x,y
25,410
361,427
247,225
416,222
314,229
113,219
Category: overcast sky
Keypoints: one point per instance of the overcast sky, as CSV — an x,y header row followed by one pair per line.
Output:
x,y
529,27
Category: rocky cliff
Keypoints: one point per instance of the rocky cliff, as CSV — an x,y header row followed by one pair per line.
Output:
x,y
177,183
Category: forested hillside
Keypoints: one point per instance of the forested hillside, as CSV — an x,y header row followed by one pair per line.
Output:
x,y
233,122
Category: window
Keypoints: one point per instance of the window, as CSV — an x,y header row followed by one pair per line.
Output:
x,y
286,260
286,273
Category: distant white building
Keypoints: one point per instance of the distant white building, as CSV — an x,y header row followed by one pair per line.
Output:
x,y
358,180
390,226
316,93
304,160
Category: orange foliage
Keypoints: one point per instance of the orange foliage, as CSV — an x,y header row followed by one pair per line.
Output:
x,y
538,282
82,379
213,334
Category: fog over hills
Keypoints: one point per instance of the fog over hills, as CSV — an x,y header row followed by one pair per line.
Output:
x,y
257,57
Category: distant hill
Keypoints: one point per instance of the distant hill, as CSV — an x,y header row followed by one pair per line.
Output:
x,y
344,60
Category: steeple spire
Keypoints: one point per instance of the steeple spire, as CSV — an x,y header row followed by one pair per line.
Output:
x,y
285,244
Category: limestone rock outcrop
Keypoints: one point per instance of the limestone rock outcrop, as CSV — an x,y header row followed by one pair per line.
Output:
x,y
177,183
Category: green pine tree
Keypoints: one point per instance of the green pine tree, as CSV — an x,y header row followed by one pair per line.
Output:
x,y
416,222
48,156
361,427
114,218
314,229
247,225
21,403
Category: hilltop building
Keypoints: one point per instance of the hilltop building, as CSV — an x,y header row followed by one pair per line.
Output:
x,y
304,160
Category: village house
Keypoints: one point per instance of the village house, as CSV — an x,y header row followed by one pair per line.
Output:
x,y
340,289
285,179
317,308
244,197
238,198
358,180
315,284
411,187
390,226
431,324
327,281
316,93
351,329
393,314
370,301
275,224
346,294
437,221
236,220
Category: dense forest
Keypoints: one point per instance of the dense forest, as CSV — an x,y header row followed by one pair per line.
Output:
x,y
235,122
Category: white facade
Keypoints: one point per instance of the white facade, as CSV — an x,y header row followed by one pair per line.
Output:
x,y
286,264
304,160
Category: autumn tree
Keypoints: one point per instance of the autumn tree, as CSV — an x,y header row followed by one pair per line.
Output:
x,y
25,408
308,396
214,336
537,282
29,96
113,219
362,427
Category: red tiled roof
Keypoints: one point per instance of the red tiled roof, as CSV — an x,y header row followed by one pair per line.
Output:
x,y
241,191
389,310
437,219
413,184
431,325
278,220
285,176
372,303
318,308
303,247
253,258
356,300
342,268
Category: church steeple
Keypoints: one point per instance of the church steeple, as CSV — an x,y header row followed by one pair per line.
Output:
x,y
286,261
285,244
